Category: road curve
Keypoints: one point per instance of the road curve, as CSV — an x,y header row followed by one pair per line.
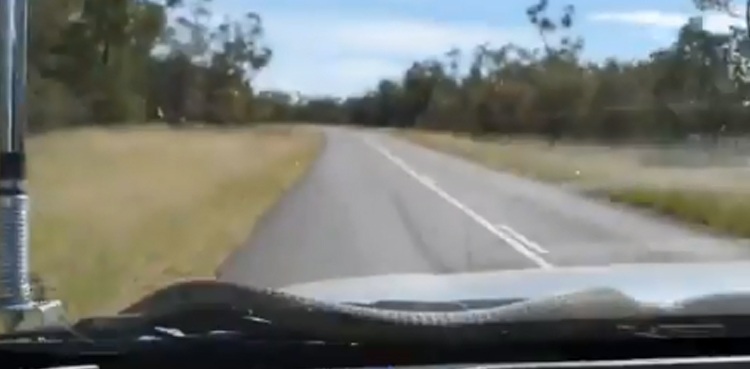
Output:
x,y
373,204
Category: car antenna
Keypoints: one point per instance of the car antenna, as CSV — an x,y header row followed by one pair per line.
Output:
x,y
18,310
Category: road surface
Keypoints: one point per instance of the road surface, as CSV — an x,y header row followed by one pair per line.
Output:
x,y
373,204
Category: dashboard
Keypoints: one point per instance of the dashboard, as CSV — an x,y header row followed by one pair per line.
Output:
x,y
664,363
671,363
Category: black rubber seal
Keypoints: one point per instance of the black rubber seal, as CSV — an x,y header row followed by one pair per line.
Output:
x,y
12,166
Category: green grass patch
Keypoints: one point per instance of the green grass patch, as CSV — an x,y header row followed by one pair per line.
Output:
x,y
717,198
728,213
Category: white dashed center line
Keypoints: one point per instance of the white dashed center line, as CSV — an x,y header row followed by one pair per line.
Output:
x,y
518,242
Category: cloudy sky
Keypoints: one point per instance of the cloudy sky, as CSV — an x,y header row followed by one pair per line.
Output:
x,y
340,47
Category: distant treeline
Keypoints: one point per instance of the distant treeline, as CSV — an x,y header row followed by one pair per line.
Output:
x,y
115,61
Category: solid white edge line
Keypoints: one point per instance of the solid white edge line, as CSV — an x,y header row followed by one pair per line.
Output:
x,y
516,245
523,239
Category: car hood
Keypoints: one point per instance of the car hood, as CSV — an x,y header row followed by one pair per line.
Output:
x,y
657,289
661,284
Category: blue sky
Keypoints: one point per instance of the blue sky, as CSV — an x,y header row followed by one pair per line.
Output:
x,y
339,47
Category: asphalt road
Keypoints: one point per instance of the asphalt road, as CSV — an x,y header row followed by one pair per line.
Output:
x,y
373,204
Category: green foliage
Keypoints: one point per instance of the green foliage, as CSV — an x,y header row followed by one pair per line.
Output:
x,y
694,86
122,61
114,61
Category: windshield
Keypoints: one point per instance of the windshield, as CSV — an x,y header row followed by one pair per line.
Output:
x,y
384,155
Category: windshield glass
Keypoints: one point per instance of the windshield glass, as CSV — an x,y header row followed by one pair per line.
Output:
x,y
451,155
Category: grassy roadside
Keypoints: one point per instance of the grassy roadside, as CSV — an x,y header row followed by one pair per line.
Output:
x,y
117,214
715,197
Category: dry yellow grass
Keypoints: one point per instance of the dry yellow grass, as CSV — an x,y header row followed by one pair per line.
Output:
x,y
586,166
117,214
710,195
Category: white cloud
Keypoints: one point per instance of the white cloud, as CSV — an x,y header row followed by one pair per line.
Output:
x,y
714,22
722,22
341,54
327,76
645,17
415,38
